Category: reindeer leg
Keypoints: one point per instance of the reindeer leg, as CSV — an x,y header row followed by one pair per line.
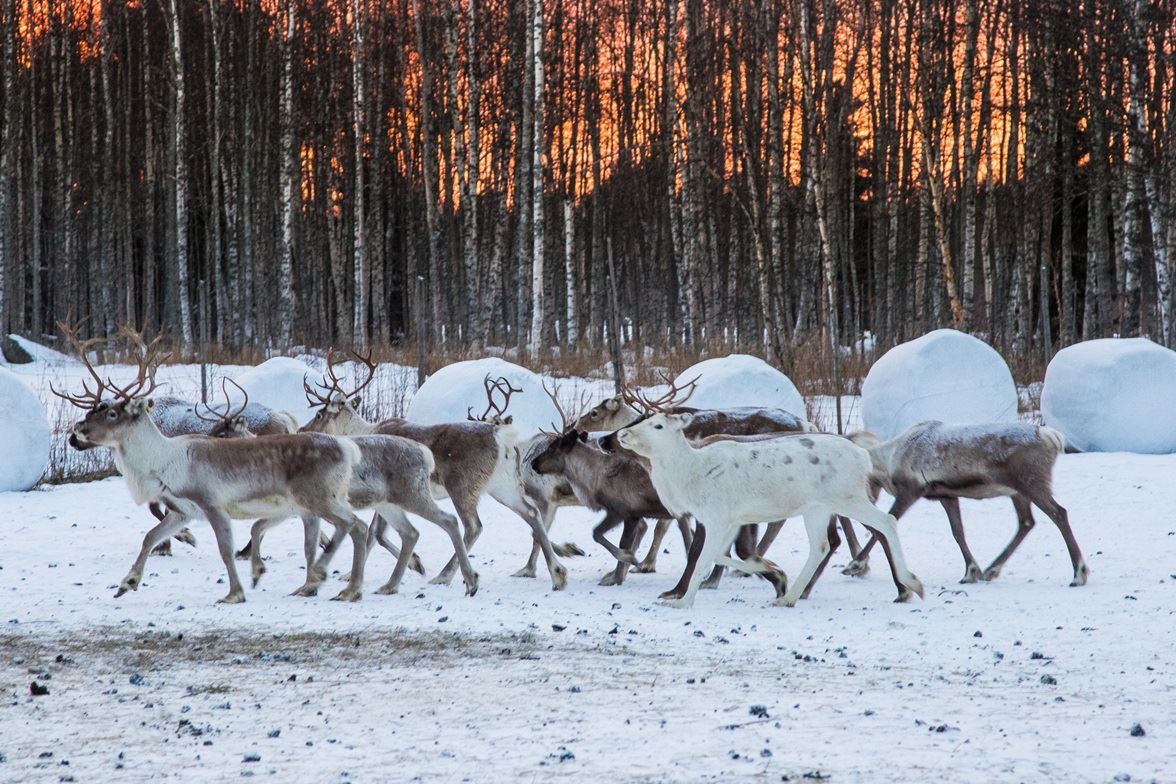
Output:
x,y
547,513
693,553
859,566
467,511
394,516
254,547
816,525
172,521
971,568
429,510
770,534
316,572
713,546
380,534
1056,512
884,527
716,575
748,561
559,573
606,524
648,565
633,531
855,547
834,543
222,528
342,516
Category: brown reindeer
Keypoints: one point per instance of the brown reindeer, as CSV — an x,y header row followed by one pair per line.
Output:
x,y
472,459
948,462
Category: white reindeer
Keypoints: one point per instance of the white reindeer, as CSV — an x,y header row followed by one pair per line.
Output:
x,y
731,483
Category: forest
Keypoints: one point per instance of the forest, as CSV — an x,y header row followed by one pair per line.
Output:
x,y
459,174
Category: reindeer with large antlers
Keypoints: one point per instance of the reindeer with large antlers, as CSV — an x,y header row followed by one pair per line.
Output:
x,y
472,459
302,475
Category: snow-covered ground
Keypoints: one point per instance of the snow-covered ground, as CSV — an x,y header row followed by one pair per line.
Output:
x,y
1023,679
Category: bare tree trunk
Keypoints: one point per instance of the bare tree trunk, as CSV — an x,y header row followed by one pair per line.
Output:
x,y
538,219
179,133
429,171
7,134
469,199
286,186
359,319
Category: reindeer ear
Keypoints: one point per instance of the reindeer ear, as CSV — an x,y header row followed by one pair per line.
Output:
x,y
508,420
355,401
583,436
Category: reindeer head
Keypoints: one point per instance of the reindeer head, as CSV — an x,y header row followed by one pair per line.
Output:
x,y
644,407
552,459
108,421
647,436
612,414
338,409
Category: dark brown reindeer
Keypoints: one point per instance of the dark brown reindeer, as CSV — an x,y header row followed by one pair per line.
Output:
x,y
472,459
948,462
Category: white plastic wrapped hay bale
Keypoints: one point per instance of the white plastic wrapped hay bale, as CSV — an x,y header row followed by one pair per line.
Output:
x,y
25,434
739,380
1113,395
448,394
944,375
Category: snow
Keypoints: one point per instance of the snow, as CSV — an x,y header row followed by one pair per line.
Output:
x,y
39,353
944,375
433,686
448,394
24,434
740,380
277,384
1113,395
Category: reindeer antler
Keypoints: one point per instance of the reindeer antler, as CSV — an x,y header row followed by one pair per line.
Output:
x,y
663,404
567,420
504,387
228,415
332,384
148,362
89,397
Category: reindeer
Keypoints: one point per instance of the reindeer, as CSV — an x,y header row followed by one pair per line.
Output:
x,y
630,407
472,459
393,476
948,462
728,484
217,479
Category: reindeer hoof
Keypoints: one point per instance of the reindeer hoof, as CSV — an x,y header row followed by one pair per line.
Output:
x,y
971,575
710,585
416,564
186,537
441,579
306,591
162,549
785,601
388,589
991,573
856,568
666,596
559,578
245,553
348,595
129,583
610,578
567,550
645,568
526,571
916,586
681,603
234,597
1080,576
904,596
472,586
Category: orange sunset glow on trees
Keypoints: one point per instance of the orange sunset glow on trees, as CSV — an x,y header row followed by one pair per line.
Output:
x,y
460,173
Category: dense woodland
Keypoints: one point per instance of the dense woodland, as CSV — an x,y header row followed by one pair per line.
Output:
x,y
454,174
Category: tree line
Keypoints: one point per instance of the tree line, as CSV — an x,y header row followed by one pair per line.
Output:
x,y
465,173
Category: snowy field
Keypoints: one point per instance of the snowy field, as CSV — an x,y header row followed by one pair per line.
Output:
x,y
1023,679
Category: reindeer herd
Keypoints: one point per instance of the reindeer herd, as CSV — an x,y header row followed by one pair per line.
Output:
x,y
717,474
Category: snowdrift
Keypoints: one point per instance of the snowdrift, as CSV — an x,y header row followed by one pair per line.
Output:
x,y
277,384
944,375
24,432
451,391
741,380
1113,395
